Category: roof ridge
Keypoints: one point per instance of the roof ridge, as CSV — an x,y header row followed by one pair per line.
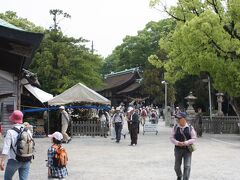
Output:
x,y
126,71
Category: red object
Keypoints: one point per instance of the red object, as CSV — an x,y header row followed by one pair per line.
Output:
x,y
1,129
16,117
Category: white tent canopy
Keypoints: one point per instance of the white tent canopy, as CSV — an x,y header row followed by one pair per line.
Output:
x,y
78,93
41,95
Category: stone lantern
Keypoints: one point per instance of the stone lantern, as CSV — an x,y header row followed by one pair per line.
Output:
x,y
219,101
191,114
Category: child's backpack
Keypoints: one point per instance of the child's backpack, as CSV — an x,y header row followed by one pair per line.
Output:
x,y
24,145
60,158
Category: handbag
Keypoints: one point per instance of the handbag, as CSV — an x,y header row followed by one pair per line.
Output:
x,y
190,147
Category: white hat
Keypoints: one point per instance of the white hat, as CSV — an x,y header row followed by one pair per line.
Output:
x,y
118,109
57,135
130,109
62,107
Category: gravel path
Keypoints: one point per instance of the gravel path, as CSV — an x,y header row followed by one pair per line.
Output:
x,y
217,158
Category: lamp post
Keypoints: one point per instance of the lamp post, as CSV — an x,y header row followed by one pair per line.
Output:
x,y
209,94
165,84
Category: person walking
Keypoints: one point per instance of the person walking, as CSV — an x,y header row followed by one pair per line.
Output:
x,y
9,149
182,136
143,115
104,122
134,125
118,123
64,122
56,170
111,125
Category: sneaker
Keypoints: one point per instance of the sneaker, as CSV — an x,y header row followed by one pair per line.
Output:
x,y
117,141
69,140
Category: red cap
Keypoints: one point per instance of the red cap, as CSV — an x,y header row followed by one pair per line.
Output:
x,y
16,117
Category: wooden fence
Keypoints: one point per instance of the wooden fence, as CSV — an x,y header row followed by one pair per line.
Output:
x,y
221,124
87,128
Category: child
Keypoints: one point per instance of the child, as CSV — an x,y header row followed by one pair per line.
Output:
x,y
56,171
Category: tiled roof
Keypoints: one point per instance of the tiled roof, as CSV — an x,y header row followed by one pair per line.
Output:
x,y
8,25
130,88
121,78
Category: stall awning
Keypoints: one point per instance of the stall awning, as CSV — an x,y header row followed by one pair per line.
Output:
x,y
41,95
79,93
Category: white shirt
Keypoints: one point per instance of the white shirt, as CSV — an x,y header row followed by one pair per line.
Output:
x,y
103,118
11,138
65,117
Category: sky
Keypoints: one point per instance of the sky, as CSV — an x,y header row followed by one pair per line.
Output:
x,y
105,22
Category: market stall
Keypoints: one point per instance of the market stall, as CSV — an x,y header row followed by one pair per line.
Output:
x,y
82,103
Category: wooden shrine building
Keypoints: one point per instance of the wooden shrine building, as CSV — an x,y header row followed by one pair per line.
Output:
x,y
17,48
122,87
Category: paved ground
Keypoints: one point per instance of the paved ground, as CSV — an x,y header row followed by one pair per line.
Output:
x,y
217,158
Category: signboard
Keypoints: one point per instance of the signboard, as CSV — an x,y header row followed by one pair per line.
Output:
x,y
150,128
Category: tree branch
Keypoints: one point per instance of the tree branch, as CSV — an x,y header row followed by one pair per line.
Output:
x,y
213,3
174,17
232,54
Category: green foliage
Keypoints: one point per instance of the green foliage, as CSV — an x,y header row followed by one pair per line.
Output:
x,y
62,62
23,23
206,39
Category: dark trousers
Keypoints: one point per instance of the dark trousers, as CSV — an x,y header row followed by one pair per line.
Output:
x,y
186,156
118,130
134,134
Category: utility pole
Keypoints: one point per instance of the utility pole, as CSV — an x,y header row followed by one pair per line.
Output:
x,y
92,48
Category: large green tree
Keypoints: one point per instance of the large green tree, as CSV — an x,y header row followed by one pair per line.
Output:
x,y
62,62
206,40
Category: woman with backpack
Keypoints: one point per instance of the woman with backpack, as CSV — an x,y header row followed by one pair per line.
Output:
x,y
14,148
57,158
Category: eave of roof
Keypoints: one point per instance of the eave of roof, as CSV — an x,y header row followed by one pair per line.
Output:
x,y
119,79
17,47
130,88
6,94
